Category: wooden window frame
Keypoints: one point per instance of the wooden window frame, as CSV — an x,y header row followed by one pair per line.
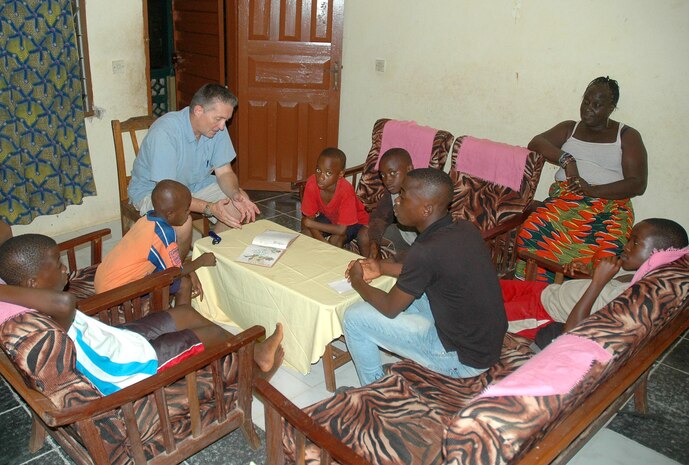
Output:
x,y
79,16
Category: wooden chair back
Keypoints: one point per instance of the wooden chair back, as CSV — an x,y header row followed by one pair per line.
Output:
x,y
496,210
132,129
370,187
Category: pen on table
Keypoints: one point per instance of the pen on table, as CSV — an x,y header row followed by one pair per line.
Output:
x,y
216,238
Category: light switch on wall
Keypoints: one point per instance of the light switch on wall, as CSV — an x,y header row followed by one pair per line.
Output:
x,y
118,67
380,65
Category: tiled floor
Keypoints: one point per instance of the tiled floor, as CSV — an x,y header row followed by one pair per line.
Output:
x,y
659,438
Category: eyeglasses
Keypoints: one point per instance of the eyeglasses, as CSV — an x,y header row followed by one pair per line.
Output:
x,y
216,238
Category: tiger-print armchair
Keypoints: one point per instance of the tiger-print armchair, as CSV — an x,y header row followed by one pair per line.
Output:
x,y
161,420
415,416
496,210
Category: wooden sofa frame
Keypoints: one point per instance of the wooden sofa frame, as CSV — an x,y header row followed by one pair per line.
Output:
x,y
559,444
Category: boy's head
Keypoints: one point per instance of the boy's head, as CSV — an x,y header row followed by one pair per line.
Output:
x,y
424,197
32,260
330,168
171,201
649,235
393,168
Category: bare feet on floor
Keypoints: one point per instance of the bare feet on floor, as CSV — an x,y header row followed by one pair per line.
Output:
x,y
269,353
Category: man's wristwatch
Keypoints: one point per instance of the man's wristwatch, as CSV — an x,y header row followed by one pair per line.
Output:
x,y
207,211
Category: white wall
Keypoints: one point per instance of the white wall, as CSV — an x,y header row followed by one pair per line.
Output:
x,y
499,69
509,69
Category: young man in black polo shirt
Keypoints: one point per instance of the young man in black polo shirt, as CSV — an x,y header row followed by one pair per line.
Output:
x,y
446,310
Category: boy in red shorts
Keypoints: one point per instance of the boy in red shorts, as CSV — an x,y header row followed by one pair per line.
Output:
x,y
110,357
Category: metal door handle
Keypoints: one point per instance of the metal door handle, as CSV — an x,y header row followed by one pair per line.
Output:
x,y
336,74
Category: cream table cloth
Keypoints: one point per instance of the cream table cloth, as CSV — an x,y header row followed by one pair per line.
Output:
x,y
294,291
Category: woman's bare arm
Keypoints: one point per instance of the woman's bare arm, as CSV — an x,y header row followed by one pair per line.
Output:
x,y
549,143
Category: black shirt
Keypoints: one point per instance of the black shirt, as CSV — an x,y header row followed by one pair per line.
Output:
x,y
451,264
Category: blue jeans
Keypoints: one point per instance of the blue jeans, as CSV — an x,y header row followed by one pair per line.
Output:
x,y
411,334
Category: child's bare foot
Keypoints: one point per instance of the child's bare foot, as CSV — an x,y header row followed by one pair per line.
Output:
x,y
265,353
279,356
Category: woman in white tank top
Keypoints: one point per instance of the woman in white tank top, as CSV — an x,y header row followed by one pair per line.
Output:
x,y
588,213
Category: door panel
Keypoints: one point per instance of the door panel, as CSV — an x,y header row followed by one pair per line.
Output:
x,y
289,53
199,37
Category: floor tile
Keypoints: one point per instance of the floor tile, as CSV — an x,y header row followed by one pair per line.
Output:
x,y
15,430
7,398
287,221
288,383
259,196
52,457
605,447
666,426
231,450
667,386
658,430
282,204
678,358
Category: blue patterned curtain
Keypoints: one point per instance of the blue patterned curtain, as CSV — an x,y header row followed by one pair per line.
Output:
x,y
45,163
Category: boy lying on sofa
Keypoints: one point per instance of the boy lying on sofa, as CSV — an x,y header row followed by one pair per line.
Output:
x,y
110,357
541,310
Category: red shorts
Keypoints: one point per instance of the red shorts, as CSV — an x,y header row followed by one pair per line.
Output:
x,y
171,346
525,312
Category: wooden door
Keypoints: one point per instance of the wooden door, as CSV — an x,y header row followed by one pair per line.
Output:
x,y
289,69
199,38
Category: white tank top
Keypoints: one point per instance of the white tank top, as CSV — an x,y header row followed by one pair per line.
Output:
x,y
597,162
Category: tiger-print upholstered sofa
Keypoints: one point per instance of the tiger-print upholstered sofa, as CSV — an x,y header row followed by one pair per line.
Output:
x,y
415,416
161,420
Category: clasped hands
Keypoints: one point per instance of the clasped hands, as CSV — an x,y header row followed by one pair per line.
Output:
x,y
579,186
246,210
367,269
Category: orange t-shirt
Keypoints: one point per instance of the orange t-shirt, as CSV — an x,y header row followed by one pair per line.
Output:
x,y
149,246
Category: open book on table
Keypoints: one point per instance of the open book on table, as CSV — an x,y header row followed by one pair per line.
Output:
x,y
267,247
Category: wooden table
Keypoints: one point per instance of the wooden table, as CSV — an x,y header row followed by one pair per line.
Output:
x,y
294,291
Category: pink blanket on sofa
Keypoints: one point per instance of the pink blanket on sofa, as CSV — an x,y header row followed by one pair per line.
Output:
x,y
415,139
555,370
495,162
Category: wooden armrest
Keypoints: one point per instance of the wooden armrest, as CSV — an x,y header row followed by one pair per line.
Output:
x,y
96,303
551,265
53,417
96,240
504,227
274,401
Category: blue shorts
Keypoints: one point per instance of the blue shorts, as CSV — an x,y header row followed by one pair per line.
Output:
x,y
350,234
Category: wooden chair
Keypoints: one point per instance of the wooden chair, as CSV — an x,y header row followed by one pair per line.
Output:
x,y
496,210
133,127
161,420
81,279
